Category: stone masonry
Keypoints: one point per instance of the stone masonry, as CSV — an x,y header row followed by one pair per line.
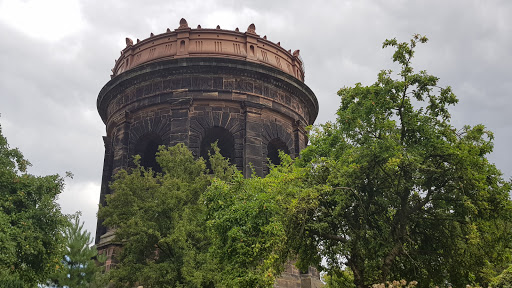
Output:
x,y
198,86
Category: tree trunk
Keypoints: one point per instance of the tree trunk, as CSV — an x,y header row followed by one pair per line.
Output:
x,y
358,278
357,270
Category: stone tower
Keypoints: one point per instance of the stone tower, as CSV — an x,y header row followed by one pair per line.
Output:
x,y
198,86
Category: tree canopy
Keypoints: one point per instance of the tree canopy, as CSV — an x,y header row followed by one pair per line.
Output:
x,y
160,220
30,221
78,267
410,196
185,227
257,223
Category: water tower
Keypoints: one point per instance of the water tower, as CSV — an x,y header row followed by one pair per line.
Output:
x,y
198,86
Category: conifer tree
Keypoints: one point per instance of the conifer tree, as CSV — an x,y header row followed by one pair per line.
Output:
x,y
78,264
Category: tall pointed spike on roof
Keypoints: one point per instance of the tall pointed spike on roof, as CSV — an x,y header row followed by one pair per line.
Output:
x,y
251,29
296,53
183,23
168,30
129,42
218,26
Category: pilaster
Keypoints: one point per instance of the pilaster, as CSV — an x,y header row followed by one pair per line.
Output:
x,y
121,145
105,180
180,121
300,138
252,140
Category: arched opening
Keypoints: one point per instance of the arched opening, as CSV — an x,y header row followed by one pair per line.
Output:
x,y
225,142
274,146
146,147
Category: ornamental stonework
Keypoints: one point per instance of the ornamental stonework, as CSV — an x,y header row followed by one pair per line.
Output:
x,y
185,42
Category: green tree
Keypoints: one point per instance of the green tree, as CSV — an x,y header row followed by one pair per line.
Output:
x,y
504,280
187,228
336,278
30,221
410,196
255,223
161,222
78,265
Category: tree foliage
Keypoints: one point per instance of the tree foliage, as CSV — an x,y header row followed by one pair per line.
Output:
x,y
78,265
160,221
251,223
30,221
185,227
410,196
504,280
337,278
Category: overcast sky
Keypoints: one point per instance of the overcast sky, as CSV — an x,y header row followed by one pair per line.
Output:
x,y
55,55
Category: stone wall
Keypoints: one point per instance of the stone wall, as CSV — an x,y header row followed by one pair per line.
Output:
x,y
251,104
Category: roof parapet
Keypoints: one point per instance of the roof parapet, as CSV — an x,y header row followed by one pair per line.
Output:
x,y
204,42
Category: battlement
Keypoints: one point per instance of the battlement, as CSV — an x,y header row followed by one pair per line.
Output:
x,y
186,42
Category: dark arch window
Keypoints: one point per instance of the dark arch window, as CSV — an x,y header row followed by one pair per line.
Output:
x,y
147,147
274,146
225,142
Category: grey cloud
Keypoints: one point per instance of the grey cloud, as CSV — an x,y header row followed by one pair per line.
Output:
x,y
49,89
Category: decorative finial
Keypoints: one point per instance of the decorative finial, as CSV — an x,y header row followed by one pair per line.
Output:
x,y
218,26
138,40
198,26
290,51
151,34
168,30
129,42
278,43
296,53
183,23
236,29
265,37
251,29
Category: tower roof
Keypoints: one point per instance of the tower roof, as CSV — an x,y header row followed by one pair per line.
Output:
x,y
186,42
